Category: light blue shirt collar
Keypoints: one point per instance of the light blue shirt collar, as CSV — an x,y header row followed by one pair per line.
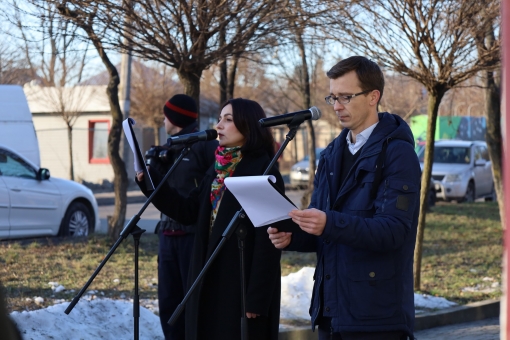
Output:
x,y
361,138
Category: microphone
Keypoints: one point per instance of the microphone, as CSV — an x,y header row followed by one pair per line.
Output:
x,y
312,113
193,137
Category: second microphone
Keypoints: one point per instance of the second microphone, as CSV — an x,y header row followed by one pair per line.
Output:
x,y
193,137
312,113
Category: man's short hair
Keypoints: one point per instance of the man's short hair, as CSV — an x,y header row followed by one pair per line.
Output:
x,y
369,74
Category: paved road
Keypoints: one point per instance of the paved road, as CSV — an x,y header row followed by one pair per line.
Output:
x,y
148,221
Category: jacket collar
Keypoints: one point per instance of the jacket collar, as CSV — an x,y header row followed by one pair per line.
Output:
x,y
390,126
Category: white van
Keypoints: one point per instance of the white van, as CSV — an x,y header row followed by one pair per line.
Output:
x,y
16,127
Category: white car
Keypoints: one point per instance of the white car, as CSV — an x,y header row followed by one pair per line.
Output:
x,y
299,172
461,170
33,204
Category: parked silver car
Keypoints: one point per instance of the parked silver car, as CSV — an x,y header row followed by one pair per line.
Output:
x,y
461,170
299,172
33,204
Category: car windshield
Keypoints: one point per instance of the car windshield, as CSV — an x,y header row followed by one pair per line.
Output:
x,y
317,154
450,154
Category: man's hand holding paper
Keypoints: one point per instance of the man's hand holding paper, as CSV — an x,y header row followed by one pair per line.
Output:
x,y
312,221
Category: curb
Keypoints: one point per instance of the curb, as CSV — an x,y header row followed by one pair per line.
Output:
x,y
109,198
467,313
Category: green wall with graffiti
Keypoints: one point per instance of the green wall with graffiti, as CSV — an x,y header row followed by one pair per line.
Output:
x,y
449,127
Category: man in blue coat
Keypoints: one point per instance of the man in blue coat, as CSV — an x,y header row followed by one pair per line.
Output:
x,y
363,215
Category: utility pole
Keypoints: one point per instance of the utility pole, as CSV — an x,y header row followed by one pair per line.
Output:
x,y
125,104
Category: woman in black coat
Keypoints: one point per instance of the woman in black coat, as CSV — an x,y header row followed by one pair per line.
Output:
x,y
214,309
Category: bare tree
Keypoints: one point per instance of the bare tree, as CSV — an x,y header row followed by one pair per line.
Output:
x,y
228,70
185,35
303,20
57,59
85,21
13,69
429,41
151,88
403,96
298,28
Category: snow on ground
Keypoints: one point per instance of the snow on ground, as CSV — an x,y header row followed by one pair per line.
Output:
x,y
94,319
100,318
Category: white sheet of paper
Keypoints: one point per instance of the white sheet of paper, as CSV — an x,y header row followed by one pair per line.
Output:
x,y
262,203
127,126
128,131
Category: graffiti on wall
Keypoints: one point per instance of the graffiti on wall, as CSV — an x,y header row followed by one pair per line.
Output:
x,y
449,127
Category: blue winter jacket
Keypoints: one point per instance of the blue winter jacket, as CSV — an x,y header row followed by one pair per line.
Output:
x,y
365,254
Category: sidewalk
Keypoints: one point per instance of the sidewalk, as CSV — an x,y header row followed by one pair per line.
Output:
x,y
487,329
474,321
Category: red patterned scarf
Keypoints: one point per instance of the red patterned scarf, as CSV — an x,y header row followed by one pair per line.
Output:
x,y
226,162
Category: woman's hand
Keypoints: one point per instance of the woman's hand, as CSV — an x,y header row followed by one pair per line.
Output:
x,y
279,239
251,315
139,176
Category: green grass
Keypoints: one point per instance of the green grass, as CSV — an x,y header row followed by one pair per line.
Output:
x,y
462,246
26,268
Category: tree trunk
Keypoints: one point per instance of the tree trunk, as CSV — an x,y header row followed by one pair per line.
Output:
x,y
115,222
223,70
191,83
305,92
157,136
70,141
223,82
492,89
493,135
232,76
435,96
120,183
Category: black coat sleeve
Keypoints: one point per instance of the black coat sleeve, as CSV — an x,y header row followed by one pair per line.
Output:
x,y
167,200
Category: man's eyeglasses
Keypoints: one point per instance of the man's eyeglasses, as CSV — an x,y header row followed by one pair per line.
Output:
x,y
343,99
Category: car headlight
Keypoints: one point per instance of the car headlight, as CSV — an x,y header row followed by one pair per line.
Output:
x,y
452,178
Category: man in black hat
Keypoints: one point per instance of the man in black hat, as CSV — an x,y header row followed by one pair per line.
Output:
x,y
176,240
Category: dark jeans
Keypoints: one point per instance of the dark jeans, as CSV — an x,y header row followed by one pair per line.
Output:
x,y
326,334
173,265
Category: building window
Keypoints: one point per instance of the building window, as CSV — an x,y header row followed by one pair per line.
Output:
x,y
98,141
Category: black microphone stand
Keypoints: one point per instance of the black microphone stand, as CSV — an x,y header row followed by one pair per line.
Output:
x,y
236,225
136,232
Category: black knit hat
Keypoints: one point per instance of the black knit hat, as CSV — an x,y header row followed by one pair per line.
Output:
x,y
181,110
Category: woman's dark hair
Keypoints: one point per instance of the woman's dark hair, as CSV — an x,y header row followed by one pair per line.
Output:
x,y
247,114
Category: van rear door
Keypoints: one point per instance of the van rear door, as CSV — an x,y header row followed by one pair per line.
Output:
x,y
16,126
